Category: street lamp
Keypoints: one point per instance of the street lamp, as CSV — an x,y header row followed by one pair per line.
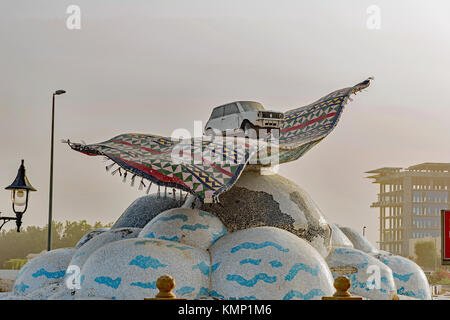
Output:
x,y
50,197
20,189
364,231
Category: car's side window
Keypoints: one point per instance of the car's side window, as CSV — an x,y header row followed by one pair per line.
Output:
x,y
217,113
231,108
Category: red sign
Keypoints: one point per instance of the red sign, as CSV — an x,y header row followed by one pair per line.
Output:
x,y
445,236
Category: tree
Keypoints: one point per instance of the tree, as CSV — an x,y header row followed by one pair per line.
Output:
x,y
426,254
17,245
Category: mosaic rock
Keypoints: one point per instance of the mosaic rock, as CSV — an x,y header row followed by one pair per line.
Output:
x,y
144,209
83,253
268,263
372,279
358,240
128,269
189,226
44,270
88,236
409,278
272,200
338,238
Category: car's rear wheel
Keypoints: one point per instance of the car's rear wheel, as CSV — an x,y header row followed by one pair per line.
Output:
x,y
250,130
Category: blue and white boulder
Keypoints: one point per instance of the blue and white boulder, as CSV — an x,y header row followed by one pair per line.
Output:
x,y
369,278
268,263
128,269
83,253
189,226
409,278
42,271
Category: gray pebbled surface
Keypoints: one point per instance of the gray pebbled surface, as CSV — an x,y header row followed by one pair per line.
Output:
x,y
271,200
144,209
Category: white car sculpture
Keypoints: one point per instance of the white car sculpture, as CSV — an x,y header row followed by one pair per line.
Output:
x,y
243,116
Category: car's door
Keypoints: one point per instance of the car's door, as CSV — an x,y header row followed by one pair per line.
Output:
x,y
230,119
215,121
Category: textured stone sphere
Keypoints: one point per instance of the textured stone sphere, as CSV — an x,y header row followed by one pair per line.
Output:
x,y
359,242
83,253
272,200
409,278
190,226
365,281
44,270
145,208
338,238
267,263
88,236
128,269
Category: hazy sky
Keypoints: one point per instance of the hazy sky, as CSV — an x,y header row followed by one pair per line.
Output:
x,y
155,66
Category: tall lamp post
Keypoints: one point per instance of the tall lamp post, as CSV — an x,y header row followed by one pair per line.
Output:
x,y
20,189
364,231
50,197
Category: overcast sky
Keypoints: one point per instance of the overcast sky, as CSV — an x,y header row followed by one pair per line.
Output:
x,y
155,66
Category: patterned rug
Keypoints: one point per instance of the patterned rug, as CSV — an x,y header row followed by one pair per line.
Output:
x,y
208,166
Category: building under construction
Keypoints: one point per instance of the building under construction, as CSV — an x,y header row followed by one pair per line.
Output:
x,y
410,201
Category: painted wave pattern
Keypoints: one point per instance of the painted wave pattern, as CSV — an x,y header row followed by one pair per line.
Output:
x,y
182,217
403,277
345,251
202,292
108,281
185,290
151,235
255,262
21,287
49,275
204,267
275,264
216,236
147,262
251,282
296,268
216,294
144,285
421,294
257,246
194,227
307,296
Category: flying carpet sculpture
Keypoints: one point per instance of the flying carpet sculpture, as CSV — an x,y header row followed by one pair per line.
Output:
x,y
210,166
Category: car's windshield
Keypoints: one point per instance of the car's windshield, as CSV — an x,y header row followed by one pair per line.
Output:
x,y
251,106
